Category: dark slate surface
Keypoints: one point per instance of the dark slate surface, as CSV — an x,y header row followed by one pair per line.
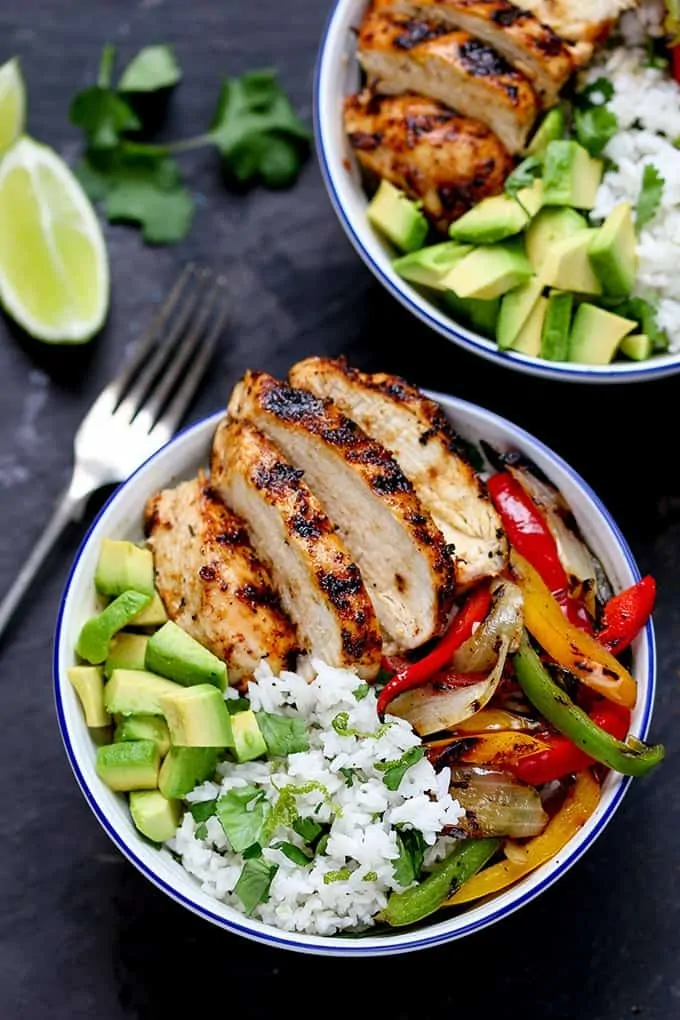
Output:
x,y
83,935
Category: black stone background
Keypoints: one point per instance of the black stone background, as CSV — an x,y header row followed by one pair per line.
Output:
x,y
82,934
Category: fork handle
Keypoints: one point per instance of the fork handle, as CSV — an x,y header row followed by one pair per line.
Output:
x,y
69,507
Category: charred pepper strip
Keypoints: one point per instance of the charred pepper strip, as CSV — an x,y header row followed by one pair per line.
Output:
x,y
559,710
625,614
466,859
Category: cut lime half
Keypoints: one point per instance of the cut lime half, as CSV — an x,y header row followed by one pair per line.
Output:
x,y
54,272
12,103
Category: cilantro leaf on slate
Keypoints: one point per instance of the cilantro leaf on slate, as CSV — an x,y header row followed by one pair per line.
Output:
x,y
649,198
253,883
103,116
153,68
257,131
594,127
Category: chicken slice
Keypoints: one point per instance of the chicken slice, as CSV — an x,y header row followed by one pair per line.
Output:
x,y
401,54
402,555
320,585
212,583
517,35
416,430
585,23
447,161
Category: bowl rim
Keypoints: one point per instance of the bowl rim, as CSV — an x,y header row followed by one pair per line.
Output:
x,y
619,372
385,944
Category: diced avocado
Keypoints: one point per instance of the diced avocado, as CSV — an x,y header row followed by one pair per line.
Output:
x,y
397,217
154,815
123,566
478,314
596,335
136,692
613,252
126,651
197,717
500,216
174,654
516,307
100,735
153,615
549,227
93,640
490,271
551,128
249,742
184,767
571,176
567,265
556,326
637,346
88,682
428,265
528,340
144,727
132,765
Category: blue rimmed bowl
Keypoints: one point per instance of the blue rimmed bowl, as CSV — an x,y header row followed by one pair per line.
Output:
x,y
338,75
121,518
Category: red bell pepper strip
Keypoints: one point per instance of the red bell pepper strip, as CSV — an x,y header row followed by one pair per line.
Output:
x,y
675,62
625,614
529,533
564,756
418,673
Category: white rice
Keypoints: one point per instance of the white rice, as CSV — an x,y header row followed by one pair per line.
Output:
x,y
646,102
362,843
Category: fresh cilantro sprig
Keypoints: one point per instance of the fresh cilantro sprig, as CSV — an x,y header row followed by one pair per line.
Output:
x,y
649,198
524,175
257,132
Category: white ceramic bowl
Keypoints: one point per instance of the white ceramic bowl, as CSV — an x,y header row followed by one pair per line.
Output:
x,y
338,75
121,518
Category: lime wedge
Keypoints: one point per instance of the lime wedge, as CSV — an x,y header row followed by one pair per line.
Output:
x,y
54,272
12,103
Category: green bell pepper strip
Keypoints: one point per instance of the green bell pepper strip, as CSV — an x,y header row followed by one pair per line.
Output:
x,y
443,881
557,708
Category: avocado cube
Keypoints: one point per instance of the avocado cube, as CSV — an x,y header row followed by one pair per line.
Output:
x,y
249,742
428,265
153,615
144,727
93,640
490,271
555,335
197,717
174,654
567,265
498,217
551,128
123,566
596,335
136,692
126,651
184,768
394,214
132,765
637,346
88,683
548,227
154,815
528,340
515,308
613,252
478,314
571,176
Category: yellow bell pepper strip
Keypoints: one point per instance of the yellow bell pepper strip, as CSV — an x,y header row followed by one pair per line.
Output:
x,y
578,652
494,750
489,719
631,759
579,805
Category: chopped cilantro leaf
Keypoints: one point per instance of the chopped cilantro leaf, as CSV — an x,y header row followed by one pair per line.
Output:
x,y
396,770
242,812
103,116
235,705
203,810
153,68
255,850
361,691
649,198
252,887
349,776
524,175
409,863
283,734
308,829
293,853
594,127
201,831
597,93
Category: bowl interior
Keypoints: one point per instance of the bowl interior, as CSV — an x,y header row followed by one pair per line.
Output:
x,y
121,518
338,75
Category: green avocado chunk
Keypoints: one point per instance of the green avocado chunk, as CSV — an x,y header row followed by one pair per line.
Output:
x,y
154,815
549,130
184,768
197,717
596,335
249,742
428,265
528,340
126,651
478,314
567,265
136,692
546,229
571,176
123,566
144,727
394,214
613,252
88,682
636,346
153,615
490,271
132,765
174,654
555,335
498,217
93,640
515,308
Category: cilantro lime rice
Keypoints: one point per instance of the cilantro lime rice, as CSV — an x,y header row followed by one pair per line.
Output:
x,y
315,840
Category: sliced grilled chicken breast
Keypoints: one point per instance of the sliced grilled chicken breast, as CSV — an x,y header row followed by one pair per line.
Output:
x,y
416,430
401,553
401,54
517,35
447,161
212,583
320,585
585,23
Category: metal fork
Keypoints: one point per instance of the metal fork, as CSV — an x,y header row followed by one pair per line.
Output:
x,y
139,410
